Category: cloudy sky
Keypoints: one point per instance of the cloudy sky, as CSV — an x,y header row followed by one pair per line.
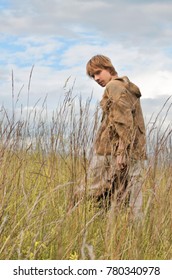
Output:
x,y
59,37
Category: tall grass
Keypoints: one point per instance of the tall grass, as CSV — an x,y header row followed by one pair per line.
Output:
x,y
42,160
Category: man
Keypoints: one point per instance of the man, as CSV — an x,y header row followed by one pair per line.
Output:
x,y
120,142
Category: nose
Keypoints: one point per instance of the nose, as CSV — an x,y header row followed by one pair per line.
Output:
x,y
96,77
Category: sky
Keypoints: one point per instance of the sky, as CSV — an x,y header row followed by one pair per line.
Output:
x,y
52,40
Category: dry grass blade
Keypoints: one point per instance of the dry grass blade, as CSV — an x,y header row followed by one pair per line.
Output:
x,y
42,160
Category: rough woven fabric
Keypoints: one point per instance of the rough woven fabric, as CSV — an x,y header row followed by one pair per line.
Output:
x,y
105,182
122,118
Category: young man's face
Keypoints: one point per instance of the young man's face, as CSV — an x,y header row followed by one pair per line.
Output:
x,y
102,76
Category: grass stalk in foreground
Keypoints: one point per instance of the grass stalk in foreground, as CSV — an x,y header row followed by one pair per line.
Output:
x,y
41,164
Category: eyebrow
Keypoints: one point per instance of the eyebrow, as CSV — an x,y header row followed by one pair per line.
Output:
x,y
95,72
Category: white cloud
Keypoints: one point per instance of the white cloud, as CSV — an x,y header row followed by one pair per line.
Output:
x,y
131,21
59,37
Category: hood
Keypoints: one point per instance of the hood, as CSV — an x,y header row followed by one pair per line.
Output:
x,y
130,86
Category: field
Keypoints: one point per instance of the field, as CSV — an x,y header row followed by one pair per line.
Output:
x,y
42,161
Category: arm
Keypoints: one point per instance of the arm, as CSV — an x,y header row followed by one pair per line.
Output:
x,y
121,118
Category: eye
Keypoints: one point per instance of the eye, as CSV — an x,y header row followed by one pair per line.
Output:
x,y
98,72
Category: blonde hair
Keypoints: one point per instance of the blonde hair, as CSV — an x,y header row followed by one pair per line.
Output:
x,y
102,62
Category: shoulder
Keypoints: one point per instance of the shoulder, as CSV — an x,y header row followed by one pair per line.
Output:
x,y
116,88
119,82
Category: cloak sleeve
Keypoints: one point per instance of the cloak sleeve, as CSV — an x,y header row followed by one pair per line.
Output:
x,y
120,111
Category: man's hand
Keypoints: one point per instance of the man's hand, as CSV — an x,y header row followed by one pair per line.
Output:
x,y
121,158
121,162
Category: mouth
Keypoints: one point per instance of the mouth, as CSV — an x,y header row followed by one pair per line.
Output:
x,y
101,83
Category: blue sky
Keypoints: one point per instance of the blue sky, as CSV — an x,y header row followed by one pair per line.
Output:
x,y
59,37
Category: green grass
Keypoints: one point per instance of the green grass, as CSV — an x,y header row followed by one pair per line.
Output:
x,y
38,219
38,222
